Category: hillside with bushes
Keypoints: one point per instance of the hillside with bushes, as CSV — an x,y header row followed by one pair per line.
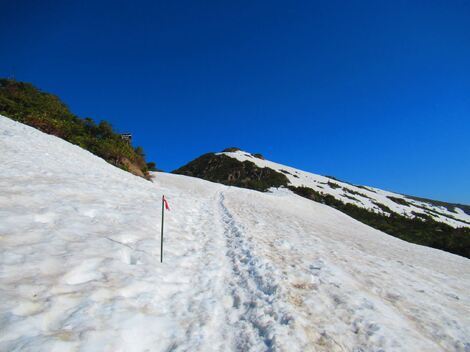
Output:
x,y
25,103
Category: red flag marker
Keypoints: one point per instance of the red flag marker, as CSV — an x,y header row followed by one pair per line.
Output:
x,y
164,206
166,203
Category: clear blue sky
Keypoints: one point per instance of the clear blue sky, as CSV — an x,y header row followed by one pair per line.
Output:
x,y
375,93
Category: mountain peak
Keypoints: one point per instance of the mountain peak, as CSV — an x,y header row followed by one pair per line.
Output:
x,y
437,224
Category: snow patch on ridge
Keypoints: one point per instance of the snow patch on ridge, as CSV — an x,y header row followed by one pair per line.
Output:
x,y
363,197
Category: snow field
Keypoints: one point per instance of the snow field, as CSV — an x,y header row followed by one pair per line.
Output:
x,y
243,271
351,287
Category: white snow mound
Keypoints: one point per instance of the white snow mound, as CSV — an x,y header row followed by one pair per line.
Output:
x,y
243,271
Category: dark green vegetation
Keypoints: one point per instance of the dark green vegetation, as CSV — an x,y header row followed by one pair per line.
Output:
x,y
434,212
383,207
351,191
449,206
25,103
421,230
352,198
333,185
400,201
229,171
367,188
151,166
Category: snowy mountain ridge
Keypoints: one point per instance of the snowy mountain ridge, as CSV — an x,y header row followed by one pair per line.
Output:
x,y
243,270
430,223
370,198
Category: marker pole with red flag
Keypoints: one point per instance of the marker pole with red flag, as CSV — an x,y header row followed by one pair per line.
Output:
x,y
164,206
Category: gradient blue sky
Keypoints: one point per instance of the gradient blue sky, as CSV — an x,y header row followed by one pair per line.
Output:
x,y
375,93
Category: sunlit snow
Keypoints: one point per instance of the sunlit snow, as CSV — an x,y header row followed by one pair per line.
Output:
x,y
242,270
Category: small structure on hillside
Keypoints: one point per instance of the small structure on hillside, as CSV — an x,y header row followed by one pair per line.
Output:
x,y
127,137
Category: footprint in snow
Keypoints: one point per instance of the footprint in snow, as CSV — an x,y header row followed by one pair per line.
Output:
x,y
316,266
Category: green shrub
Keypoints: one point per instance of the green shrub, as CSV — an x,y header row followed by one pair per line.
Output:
x,y
367,189
351,191
333,185
383,207
351,197
151,166
400,201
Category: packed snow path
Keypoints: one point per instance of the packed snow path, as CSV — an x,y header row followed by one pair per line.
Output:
x,y
253,289
242,271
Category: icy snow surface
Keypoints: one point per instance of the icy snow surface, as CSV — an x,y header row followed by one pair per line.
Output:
x,y
242,271
365,197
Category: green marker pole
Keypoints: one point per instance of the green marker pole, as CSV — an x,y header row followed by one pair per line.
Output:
x,y
161,240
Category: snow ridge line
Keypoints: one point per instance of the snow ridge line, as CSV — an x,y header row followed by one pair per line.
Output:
x,y
253,289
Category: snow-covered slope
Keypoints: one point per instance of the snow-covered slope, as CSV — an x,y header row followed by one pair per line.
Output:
x,y
243,270
365,197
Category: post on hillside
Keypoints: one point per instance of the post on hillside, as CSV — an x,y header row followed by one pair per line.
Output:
x,y
164,206
161,239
